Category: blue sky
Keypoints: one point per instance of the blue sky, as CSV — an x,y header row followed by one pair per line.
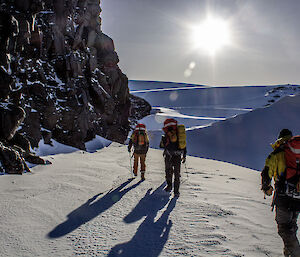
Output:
x,y
154,40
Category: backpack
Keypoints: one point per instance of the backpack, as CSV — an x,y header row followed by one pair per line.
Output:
x,y
140,137
292,157
292,173
181,136
170,123
180,132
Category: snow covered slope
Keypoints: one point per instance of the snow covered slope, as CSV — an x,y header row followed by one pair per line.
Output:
x,y
231,124
86,204
245,139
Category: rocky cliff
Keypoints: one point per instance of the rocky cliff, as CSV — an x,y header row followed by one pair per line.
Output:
x,y
59,78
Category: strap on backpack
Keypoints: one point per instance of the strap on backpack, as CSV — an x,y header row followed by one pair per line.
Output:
x,y
297,174
292,188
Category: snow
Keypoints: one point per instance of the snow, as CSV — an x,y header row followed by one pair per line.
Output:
x,y
245,139
231,124
58,148
97,143
86,202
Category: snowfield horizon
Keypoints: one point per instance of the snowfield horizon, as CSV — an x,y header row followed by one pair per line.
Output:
x,y
232,124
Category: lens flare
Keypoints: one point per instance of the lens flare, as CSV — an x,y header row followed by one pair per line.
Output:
x,y
173,96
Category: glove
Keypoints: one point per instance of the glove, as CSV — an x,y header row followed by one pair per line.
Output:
x,y
268,191
129,150
183,159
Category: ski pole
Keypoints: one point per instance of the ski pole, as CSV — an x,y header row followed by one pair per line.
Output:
x,y
186,171
273,200
184,180
187,176
130,158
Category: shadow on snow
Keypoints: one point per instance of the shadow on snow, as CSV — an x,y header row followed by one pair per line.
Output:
x,y
90,210
152,234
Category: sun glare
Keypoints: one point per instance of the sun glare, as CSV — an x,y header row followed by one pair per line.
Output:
x,y
211,35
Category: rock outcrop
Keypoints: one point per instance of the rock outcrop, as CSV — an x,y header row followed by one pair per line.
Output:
x,y
59,78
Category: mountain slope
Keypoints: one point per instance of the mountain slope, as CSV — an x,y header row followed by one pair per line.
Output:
x,y
245,139
231,124
84,204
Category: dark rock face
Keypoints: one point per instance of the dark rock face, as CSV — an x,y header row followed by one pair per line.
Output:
x,y
59,76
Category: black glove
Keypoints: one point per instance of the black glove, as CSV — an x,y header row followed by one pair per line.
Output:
x,y
183,159
129,150
268,189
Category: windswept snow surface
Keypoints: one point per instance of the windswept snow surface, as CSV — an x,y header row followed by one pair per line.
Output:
x,y
86,204
231,124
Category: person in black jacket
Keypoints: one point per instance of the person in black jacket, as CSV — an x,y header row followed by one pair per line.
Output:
x,y
173,155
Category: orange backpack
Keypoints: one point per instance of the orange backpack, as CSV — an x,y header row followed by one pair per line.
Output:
x,y
141,139
139,136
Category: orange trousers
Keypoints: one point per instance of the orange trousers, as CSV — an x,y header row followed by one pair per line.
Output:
x,y
142,158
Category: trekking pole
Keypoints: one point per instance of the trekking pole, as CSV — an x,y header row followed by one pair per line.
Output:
x,y
130,157
186,171
187,176
273,200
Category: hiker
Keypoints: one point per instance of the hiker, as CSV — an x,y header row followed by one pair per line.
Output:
x,y
140,141
283,165
174,144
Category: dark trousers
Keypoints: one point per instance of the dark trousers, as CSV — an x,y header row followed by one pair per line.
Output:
x,y
287,229
172,167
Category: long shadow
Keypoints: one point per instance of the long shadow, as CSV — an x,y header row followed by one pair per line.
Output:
x,y
150,204
151,235
90,210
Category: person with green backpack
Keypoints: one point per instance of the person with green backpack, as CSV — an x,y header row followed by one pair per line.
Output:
x,y
283,166
174,144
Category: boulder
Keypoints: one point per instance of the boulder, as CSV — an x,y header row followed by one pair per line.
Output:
x,y
11,161
11,117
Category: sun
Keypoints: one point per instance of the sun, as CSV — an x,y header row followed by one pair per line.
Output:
x,y
211,35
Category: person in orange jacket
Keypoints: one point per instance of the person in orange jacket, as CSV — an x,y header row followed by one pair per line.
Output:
x,y
140,142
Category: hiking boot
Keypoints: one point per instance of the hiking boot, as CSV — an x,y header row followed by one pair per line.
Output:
x,y
135,173
168,188
142,176
286,252
177,194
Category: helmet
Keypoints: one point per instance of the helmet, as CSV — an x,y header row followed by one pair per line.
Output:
x,y
169,124
140,126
